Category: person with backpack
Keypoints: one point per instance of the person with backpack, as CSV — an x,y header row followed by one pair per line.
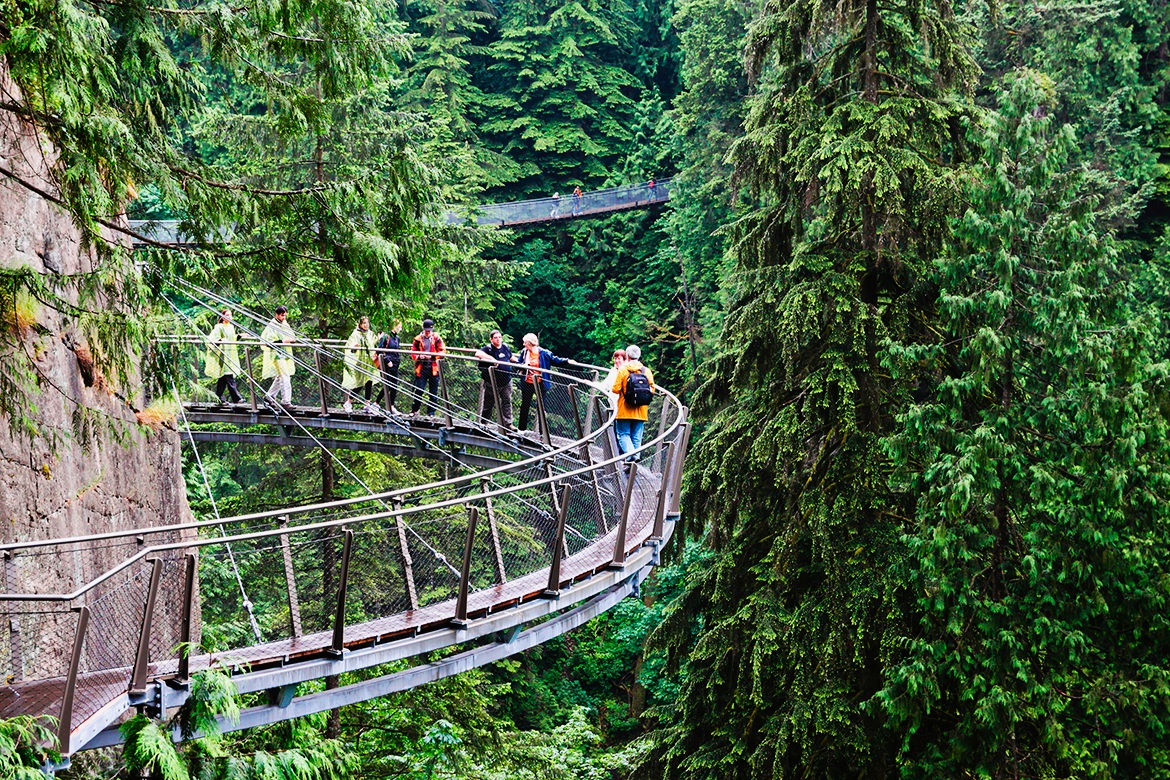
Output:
x,y
634,386
537,360
426,351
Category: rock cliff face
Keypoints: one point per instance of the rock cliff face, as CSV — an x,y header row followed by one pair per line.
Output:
x,y
53,485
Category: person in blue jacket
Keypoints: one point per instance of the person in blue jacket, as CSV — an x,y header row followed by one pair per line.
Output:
x,y
535,379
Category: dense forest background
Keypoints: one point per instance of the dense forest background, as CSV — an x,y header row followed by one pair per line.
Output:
x,y
912,276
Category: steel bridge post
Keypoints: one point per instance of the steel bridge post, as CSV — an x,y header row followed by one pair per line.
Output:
x,y
541,420
587,458
496,395
661,431
460,618
338,645
608,441
16,652
663,491
321,383
185,627
677,470
444,393
142,657
576,411
589,404
65,721
554,569
248,373
404,553
290,580
619,545
497,551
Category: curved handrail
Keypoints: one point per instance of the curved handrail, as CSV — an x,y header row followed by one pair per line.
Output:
x,y
343,502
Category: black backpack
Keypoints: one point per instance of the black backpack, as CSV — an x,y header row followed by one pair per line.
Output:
x,y
637,390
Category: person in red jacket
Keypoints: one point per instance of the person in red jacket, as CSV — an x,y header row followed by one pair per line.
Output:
x,y
426,351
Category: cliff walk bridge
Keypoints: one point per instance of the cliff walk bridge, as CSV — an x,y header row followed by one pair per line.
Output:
x,y
519,212
520,537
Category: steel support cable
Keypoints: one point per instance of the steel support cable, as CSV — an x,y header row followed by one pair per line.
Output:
x,y
313,372
438,555
215,508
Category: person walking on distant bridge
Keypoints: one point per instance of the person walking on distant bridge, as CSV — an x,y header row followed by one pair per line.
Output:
x,y
495,389
537,361
556,206
576,201
619,359
223,357
278,363
634,386
389,360
425,351
360,364
652,188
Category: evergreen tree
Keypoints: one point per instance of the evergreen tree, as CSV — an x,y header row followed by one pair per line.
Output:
x,y
561,99
1039,468
851,142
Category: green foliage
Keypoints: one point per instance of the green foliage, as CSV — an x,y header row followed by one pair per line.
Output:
x,y
1039,467
24,750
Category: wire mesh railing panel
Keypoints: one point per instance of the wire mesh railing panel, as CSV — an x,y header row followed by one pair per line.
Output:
x,y
35,649
380,571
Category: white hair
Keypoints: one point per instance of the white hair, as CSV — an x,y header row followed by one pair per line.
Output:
x,y
530,338
634,352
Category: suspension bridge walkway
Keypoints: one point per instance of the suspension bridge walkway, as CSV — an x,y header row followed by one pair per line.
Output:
x,y
521,212
523,536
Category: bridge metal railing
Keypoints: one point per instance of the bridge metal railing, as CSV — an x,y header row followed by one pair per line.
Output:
x,y
95,618
566,206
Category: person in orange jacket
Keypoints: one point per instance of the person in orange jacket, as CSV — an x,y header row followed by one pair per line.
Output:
x,y
426,351
634,385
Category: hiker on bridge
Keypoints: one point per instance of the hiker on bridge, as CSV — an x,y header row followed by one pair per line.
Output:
x,y
556,206
495,387
426,351
577,201
389,360
223,357
537,361
634,386
619,359
278,363
360,364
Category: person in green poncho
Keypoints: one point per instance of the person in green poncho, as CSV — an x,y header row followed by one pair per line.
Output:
x,y
361,364
278,363
223,357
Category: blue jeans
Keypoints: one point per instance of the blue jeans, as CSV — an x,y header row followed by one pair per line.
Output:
x,y
629,434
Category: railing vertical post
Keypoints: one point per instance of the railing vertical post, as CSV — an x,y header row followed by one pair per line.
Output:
x,y
290,580
619,545
65,721
677,471
663,493
142,657
589,404
554,569
608,439
661,431
541,420
404,552
496,395
444,393
321,383
497,550
250,380
338,645
15,649
465,572
576,411
186,626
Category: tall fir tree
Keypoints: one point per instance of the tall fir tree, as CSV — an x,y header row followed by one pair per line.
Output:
x,y
851,142
1038,465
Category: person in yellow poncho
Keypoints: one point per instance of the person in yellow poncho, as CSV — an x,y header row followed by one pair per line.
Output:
x,y
223,357
361,364
278,363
